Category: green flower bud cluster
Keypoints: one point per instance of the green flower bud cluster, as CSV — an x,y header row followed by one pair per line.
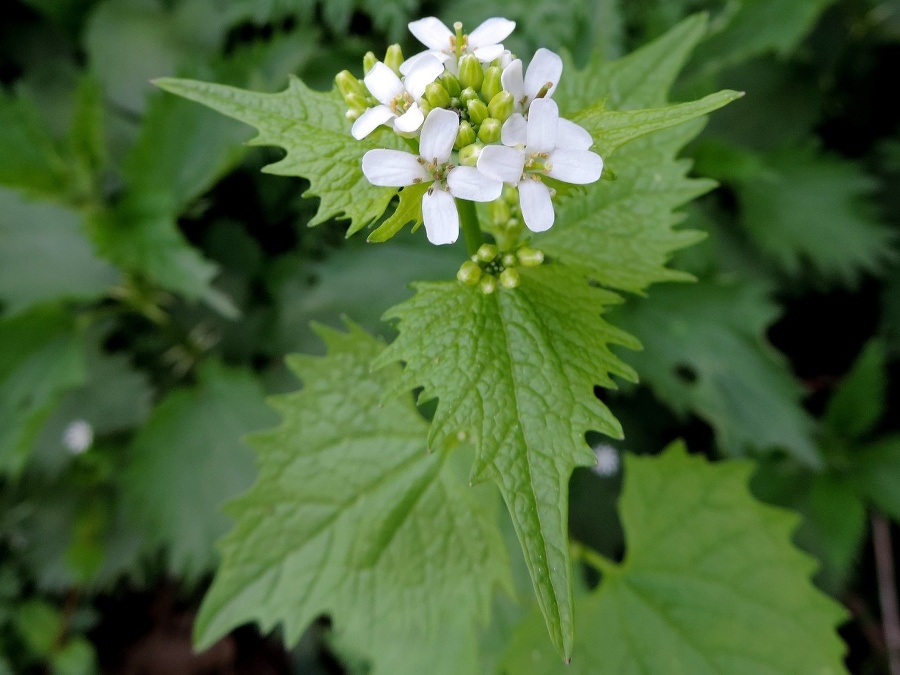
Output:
x,y
490,267
354,91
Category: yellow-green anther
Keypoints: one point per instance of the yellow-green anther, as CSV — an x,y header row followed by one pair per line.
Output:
x,y
465,136
509,260
437,96
469,273
451,84
468,94
478,111
509,278
488,284
347,84
502,106
543,90
530,257
492,84
369,61
471,72
489,131
487,253
393,57
499,210
468,156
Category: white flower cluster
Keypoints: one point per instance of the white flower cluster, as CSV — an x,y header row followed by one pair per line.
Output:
x,y
479,121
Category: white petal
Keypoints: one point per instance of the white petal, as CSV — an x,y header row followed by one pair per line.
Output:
x,y
488,52
438,135
511,79
370,120
575,166
502,163
432,33
407,66
393,168
543,121
423,73
383,83
571,136
545,67
537,209
467,182
513,131
491,32
409,121
440,216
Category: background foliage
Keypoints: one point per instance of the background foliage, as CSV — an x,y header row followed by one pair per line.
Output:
x,y
152,281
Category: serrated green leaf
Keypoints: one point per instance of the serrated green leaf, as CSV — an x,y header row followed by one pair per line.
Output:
x,y
311,127
860,401
876,472
516,370
46,255
188,460
350,516
710,584
705,352
41,357
409,210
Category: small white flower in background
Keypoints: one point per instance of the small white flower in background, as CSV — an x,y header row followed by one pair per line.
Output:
x,y
541,145
540,79
399,98
78,437
607,460
395,168
484,42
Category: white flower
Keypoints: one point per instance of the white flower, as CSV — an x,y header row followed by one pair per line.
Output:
x,y
607,460
78,437
399,98
395,168
483,42
543,73
542,145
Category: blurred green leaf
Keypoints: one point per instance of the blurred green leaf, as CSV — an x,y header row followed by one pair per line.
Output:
x,y
39,624
876,472
76,657
860,401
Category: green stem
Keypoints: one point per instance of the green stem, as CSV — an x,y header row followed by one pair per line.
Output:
x,y
468,219
600,563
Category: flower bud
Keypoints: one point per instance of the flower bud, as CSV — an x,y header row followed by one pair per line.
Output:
x,y
356,102
468,156
393,58
530,257
488,284
465,136
499,210
347,84
492,84
437,96
487,253
489,132
509,260
471,72
469,273
478,111
468,94
369,61
451,84
502,106
509,278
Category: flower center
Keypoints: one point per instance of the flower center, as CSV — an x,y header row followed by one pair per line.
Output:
x,y
400,104
537,163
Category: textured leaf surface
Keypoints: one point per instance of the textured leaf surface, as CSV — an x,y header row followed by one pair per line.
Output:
x,y
705,352
352,517
311,127
188,460
516,370
710,584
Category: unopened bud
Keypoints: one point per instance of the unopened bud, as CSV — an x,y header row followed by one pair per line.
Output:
x,y
471,72
469,273
530,257
492,84
509,260
451,84
468,94
437,96
488,284
509,278
465,136
489,132
369,61
487,253
347,84
499,210
478,111
469,155
356,102
502,106
393,57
